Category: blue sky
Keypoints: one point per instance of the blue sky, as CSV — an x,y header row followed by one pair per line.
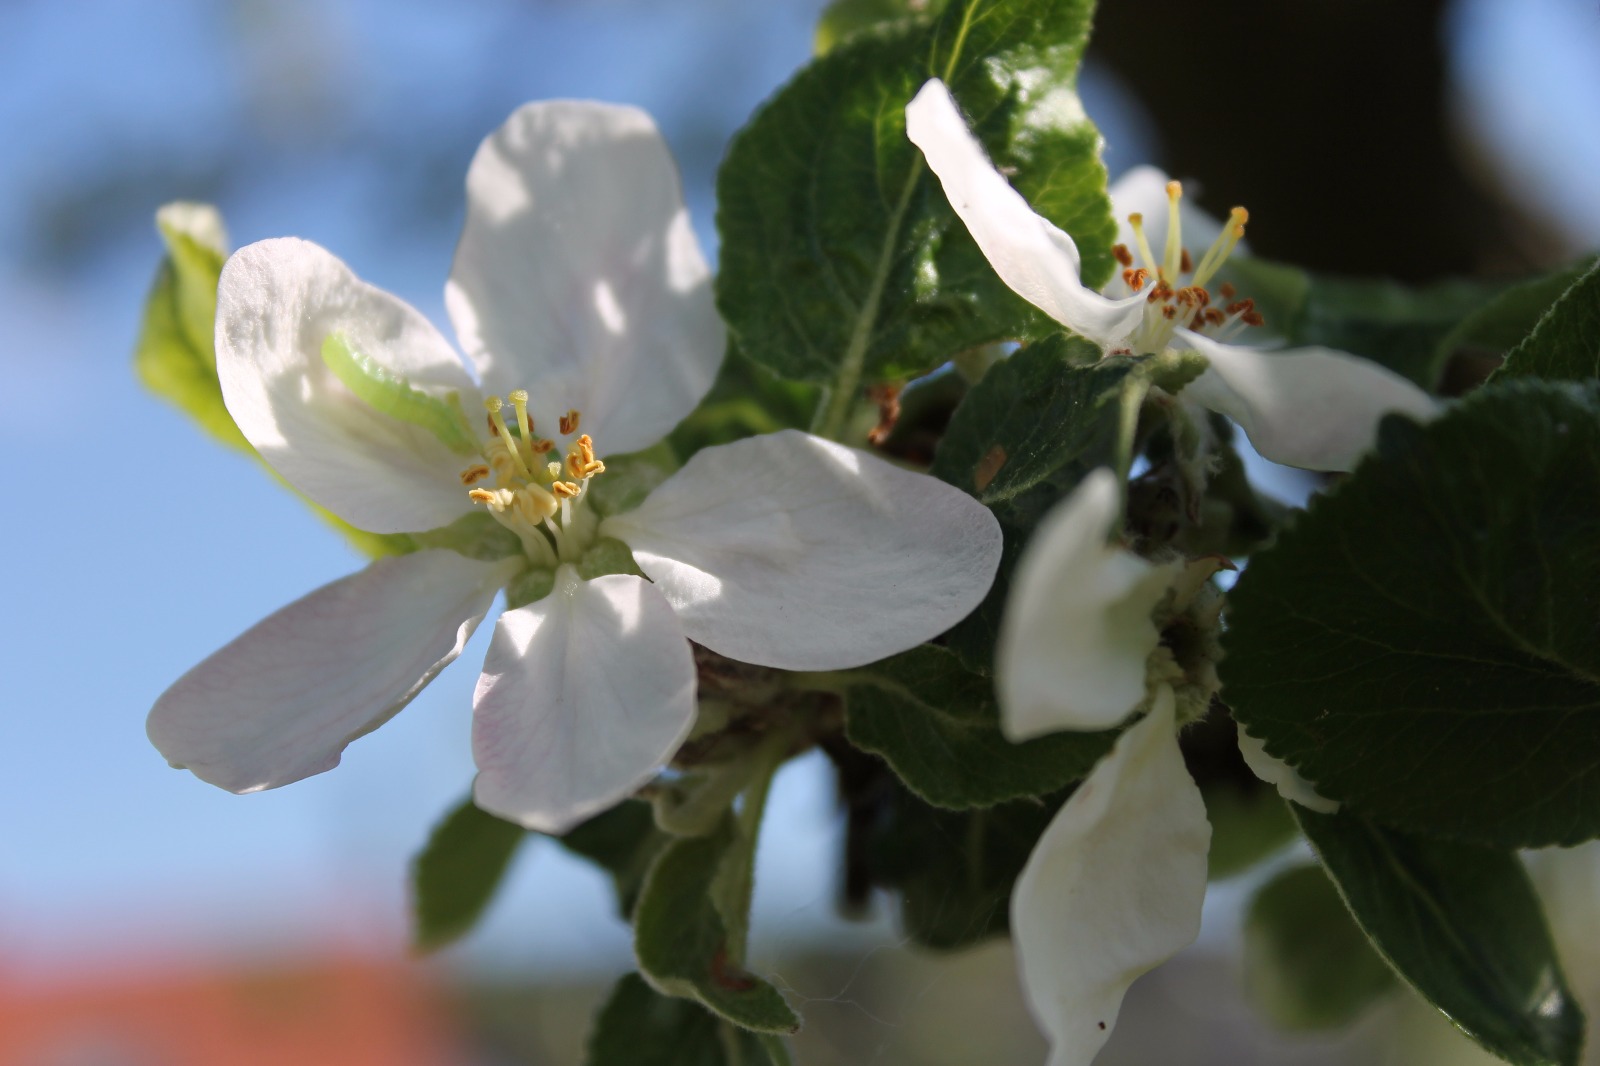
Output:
x,y
136,547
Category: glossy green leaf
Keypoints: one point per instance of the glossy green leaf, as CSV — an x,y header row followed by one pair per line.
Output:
x,y
638,1026
938,726
1021,440
843,19
623,841
745,399
1307,965
456,875
841,260
952,871
1460,924
1566,342
1424,643
682,944
1402,327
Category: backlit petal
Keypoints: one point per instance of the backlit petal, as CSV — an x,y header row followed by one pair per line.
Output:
x,y
1280,775
1113,888
1032,256
1077,630
1309,407
791,551
281,702
584,694
277,302
578,276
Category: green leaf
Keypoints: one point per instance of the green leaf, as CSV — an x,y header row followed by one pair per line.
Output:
x,y
1021,440
1403,328
1431,628
1566,342
623,841
682,944
640,1027
953,870
845,18
746,399
938,726
1307,965
1503,322
457,873
1460,924
841,260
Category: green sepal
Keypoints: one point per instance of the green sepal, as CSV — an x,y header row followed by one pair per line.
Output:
x,y
476,535
455,876
607,555
1021,440
842,261
937,725
638,1026
682,943
623,842
1462,926
1431,625
1565,344
1307,965
530,586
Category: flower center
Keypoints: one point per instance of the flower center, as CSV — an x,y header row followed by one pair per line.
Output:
x,y
538,498
1176,287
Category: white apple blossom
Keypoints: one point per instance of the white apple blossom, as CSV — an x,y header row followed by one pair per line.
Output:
x,y
1308,407
580,295
1115,885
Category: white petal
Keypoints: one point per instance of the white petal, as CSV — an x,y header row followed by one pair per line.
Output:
x,y
1035,258
584,694
791,551
1077,631
1143,191
277,301
1280,775
1309,407
1113,888
578,276
281,702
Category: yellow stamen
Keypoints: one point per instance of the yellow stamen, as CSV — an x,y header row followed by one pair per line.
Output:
x,y
1136,222
1222,247
474,474
569,422
554,469
519,400
1174,250
565,489
534,504
492,404
543,446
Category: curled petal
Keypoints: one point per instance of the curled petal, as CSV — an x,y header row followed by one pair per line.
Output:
x,y
1032,256
578,276
1308,407
277,302
281,702
1113,888
791,551
1077,631
584,694
1281,776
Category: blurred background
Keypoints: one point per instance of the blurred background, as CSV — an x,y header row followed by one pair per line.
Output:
x,y
146,918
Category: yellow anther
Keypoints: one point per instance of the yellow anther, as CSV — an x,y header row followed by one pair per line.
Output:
x,y
569,422
1147,257
1173,259
554,469
494,499
565,489
543,446
474,474
534,504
